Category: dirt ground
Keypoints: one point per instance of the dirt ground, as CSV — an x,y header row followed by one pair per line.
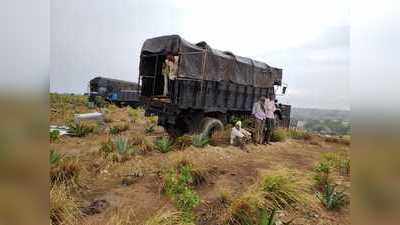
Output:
x,y
228,169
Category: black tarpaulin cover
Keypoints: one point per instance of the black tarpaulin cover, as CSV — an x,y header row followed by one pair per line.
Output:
x,y
202,62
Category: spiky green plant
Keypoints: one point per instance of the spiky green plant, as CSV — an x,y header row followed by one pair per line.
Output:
x,y
81,129
122,146
150,129
322,174
163,144
200,141
55,157
331,198
54,135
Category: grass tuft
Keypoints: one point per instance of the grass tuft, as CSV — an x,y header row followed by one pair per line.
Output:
x,y
54,136
118,128
83,128
200,141
64,209
163,144
279,135
281,190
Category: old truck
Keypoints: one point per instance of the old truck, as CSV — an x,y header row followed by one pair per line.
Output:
x,y
119,92
210,86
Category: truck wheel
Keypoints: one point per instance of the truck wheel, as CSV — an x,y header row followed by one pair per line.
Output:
x,y
210,125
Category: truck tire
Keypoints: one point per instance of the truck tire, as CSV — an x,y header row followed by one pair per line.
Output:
x,y
210,125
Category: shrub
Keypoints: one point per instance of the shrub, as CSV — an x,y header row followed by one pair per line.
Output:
x,y
163,144
64,209
107,147
183,142
331,198
200,141
54,135
82,128
278,135
177,186
281,190
322,174
118,128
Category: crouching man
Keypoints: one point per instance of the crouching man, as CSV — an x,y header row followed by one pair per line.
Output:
x,y
240,136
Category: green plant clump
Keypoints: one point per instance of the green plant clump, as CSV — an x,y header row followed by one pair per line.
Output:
x,y
200,141
81,129
331,198
278,135
55,157
118,128
164,144
322,174
54,135
178,187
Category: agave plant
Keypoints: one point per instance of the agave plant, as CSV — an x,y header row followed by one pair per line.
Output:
x,y
164,144
54,135
123,147
55,157
331,198
200,141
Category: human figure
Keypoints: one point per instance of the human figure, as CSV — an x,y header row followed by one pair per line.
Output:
x,y
239,136
270,118
259,116
169,70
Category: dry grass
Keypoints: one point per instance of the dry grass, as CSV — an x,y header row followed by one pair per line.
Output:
x,y
282,189
120,217
338,140
168,218
65,171
141,143
64,209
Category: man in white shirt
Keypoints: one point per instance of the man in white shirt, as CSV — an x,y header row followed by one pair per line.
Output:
x,y
270,118
259,117
239,135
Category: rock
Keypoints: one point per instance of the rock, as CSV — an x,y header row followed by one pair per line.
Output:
x,y
96,207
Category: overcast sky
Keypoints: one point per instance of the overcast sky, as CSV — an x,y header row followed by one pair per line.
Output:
x,y
309,40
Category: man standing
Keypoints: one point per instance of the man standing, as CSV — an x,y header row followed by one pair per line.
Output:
x,y
169,70
259,115
270,118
